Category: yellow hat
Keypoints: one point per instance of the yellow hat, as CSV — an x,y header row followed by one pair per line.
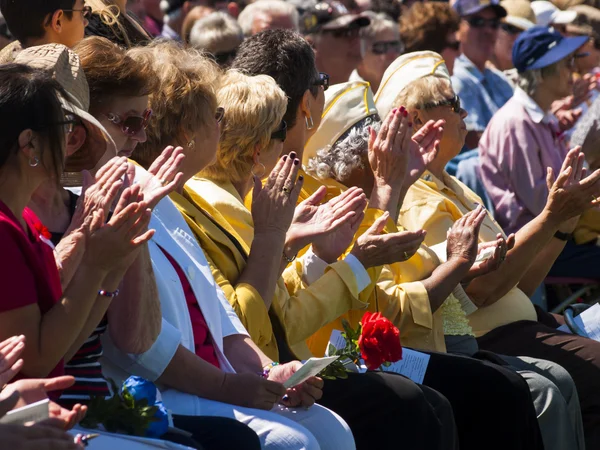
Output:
x,y
345,105
403,71
520,14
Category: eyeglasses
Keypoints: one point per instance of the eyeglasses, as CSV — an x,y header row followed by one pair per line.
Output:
x,y
131,125
480,22
385,47
69,123
281,132
510,29
86,11
454,45
322,81
219,114
454,103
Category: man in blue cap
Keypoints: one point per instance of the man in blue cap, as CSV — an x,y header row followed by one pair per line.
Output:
x,y
523,140
483,90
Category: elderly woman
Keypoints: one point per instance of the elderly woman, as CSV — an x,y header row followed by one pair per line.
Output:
x,y
422,295
218,34
513,174
382,47
437,200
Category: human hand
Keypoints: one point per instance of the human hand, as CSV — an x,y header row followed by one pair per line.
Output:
x,y
374,249
36,437
305,394
464,236
572,192
114,246
273,204
326,225
583,88
252,391
163,176
10,363
501,247
424,147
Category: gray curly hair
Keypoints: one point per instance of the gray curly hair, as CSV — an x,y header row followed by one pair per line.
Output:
x,y
347,154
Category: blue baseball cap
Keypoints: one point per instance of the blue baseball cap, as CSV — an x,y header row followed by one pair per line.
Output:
x,y
541,47
468,7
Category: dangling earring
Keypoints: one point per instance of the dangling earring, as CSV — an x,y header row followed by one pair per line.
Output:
x,y
34,161
309,123
262,170
192,143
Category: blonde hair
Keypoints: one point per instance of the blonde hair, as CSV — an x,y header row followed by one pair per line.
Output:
x,y
422,91
213,32
185,99
254,108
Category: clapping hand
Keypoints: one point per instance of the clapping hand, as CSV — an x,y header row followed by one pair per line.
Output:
x,y
463,237
10,363
501,247
163,176
423,148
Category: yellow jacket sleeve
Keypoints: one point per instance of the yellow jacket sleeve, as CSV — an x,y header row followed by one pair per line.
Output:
x,y
588,228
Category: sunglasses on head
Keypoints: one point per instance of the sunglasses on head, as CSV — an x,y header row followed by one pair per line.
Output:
x,y
453,102
86,11
385,47
69,123
281,132
322,81
510,29
480,22
131,124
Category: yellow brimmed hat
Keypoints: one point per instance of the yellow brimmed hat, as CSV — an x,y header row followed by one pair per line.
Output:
x,y
403,71
345,105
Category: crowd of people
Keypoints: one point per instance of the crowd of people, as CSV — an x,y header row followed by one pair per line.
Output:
x,y
199,193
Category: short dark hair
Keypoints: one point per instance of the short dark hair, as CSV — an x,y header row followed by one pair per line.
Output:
x,y
27,19
111,72
287,57
29,101
426,26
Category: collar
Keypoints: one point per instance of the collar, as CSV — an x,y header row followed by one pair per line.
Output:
x,y
470,67
431,178
354,76
533,109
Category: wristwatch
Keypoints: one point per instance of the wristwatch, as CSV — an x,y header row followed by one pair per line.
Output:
x,y
563,236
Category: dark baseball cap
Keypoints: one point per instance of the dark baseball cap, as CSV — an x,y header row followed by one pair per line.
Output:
x,y
329,16
468,7
541,47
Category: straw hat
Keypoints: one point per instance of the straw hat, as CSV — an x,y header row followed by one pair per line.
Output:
x,y
65,67
587,22
519,14
403,71
345,105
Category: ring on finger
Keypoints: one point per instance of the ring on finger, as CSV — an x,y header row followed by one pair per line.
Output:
x,y
285,190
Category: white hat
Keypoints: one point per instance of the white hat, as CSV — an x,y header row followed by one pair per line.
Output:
x,y
403,71
519,14
345,105
547,14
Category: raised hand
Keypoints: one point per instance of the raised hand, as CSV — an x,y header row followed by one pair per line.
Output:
x,y
10,363
252,391
305,394
501,247
423,148
163,176
274,204
463,237
326,226
374,249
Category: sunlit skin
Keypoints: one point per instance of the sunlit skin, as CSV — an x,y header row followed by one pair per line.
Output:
x,y
266,21
373,66
477,44
338,56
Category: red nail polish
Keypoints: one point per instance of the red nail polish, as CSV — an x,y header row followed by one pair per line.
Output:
x,y
394,110
405,112
402,109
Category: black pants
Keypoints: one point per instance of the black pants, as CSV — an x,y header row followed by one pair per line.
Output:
x,y
492,405
386,410
214,433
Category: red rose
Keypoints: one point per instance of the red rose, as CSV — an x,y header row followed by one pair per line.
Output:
x,y
379,341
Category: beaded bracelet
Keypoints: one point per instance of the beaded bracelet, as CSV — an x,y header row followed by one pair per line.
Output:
x,y
104,293
267,369
288,259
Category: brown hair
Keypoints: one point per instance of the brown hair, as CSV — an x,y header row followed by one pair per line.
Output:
x,y
425,26
111,72
185,99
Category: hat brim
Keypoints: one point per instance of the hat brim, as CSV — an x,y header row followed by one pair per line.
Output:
x,y
564,17
519,22
498,9
97,141
567,46
347,21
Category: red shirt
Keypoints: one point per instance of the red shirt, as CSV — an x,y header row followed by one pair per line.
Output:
x,y
203,343
28,272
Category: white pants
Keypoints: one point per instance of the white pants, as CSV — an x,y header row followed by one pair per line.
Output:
x,y
282,428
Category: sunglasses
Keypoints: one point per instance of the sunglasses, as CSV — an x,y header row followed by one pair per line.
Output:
x,y
131,125
510,29
454,103
454,45
281,132
86,11
322,81
385,47
480,22
69,123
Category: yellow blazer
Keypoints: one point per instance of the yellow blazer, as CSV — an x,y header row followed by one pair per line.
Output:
x,y
435,205
299,311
